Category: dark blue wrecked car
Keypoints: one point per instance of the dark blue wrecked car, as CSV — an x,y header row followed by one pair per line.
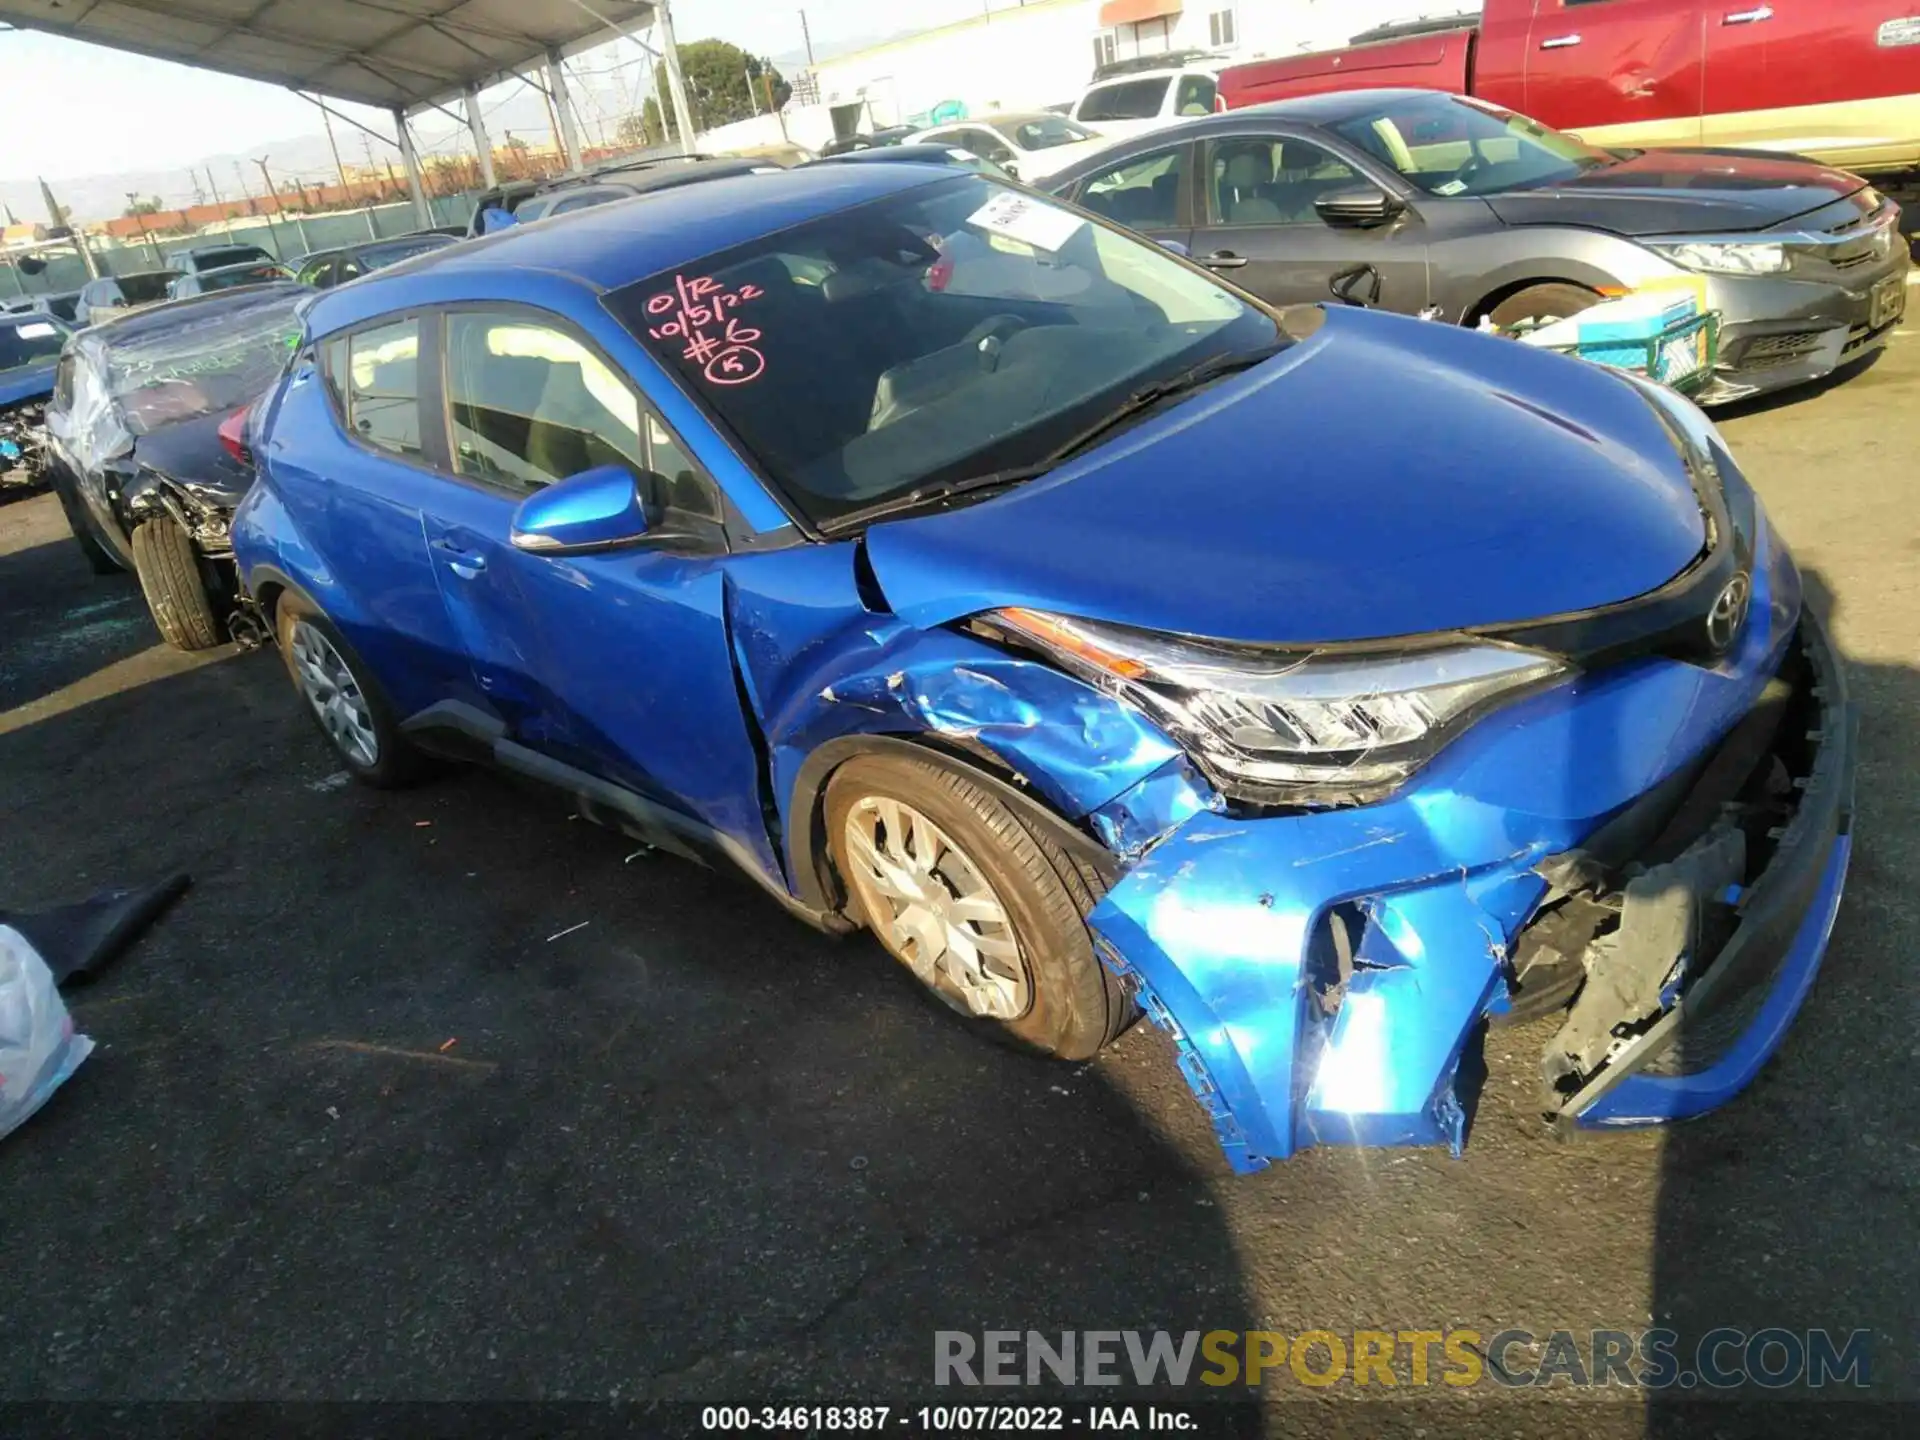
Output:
x,y
1323,684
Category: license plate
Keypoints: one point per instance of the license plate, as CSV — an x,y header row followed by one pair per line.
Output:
x,y
1887,302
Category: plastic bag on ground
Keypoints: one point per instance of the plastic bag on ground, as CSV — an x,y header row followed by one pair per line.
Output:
x,y
38,1046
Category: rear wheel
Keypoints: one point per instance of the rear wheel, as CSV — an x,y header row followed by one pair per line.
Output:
x,y
169,571
1539,304
344,698
100,560
986,913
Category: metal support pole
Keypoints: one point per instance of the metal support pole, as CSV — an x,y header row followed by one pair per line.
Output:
x,y
562,110
482,145
411,159
670,52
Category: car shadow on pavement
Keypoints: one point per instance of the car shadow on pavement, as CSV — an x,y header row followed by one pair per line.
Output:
x,y
1792,1208
63,621
449,1094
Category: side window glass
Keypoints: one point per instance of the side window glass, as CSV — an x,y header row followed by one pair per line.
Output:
x,y
346,268
1195,96
528,404
1143,194
380,387
1271,181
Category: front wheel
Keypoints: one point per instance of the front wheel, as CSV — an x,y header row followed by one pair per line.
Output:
x,y
987,914
169,571
1541,304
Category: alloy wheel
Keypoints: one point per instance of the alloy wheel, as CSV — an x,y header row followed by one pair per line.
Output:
x,y
934,909
334,693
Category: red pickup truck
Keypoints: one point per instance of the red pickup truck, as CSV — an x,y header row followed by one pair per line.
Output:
x,y
1834,80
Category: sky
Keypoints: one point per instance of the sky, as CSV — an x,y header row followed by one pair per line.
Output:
x,y
70,111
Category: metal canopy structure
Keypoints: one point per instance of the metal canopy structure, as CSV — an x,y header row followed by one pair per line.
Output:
x,y
404,54
400,55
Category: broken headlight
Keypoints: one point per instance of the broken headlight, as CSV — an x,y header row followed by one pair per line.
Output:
x,y
1320,727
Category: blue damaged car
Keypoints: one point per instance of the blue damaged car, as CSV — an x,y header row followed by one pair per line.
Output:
x,y
29,352
1324,684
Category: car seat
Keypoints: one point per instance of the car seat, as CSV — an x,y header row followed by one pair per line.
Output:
x,y
1242,190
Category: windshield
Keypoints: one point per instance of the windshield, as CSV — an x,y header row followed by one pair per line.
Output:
x,y
1127,100
238,275
379,257
958,328
145,287
225,255
1448,146
27,343
1042,132
214,362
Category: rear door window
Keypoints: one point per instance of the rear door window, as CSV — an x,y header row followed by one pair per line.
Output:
x,y
374,375
1143,194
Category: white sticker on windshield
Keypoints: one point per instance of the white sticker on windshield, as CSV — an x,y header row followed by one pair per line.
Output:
x,y
39,330
1022,217
1452,187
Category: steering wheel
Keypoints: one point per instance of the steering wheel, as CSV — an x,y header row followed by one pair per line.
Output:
x,y
1470,167
990,334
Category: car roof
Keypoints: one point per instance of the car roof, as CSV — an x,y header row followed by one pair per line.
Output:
x,y
157,319
1336,105
607,246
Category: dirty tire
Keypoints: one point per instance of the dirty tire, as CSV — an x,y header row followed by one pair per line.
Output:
x,y
169,571
1554,301
1074,1006
396,763
100,560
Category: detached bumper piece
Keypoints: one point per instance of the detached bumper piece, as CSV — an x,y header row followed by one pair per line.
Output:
x,y
1712,951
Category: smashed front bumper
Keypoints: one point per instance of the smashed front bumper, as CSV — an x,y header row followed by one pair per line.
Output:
x,y
1324,974
1776,333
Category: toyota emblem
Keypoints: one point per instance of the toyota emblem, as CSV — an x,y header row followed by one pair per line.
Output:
x,y
1728,614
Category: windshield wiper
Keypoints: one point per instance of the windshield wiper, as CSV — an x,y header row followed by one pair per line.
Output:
x,y
1212,368
1148,396
923,495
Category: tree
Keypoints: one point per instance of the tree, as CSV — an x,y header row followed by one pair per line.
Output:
x,y
717,80
150,205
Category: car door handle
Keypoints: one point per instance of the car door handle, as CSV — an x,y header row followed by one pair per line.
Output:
x,y
467,564
1748,17
1560,42
1224,260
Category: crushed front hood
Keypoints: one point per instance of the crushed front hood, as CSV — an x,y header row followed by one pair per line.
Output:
x,y
1384,477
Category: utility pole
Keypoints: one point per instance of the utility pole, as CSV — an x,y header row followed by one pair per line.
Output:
x,y
245,194
753,97
272,195
676,82
74,232
133,207
327,117
806,35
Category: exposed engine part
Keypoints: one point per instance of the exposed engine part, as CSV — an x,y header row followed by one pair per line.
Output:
x,y
23,443
1671,917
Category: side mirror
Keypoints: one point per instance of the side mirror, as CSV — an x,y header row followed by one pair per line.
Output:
x,y
1359,207
598,509
1178,247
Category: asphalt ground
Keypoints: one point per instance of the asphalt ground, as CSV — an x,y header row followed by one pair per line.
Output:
x,y
449,1095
